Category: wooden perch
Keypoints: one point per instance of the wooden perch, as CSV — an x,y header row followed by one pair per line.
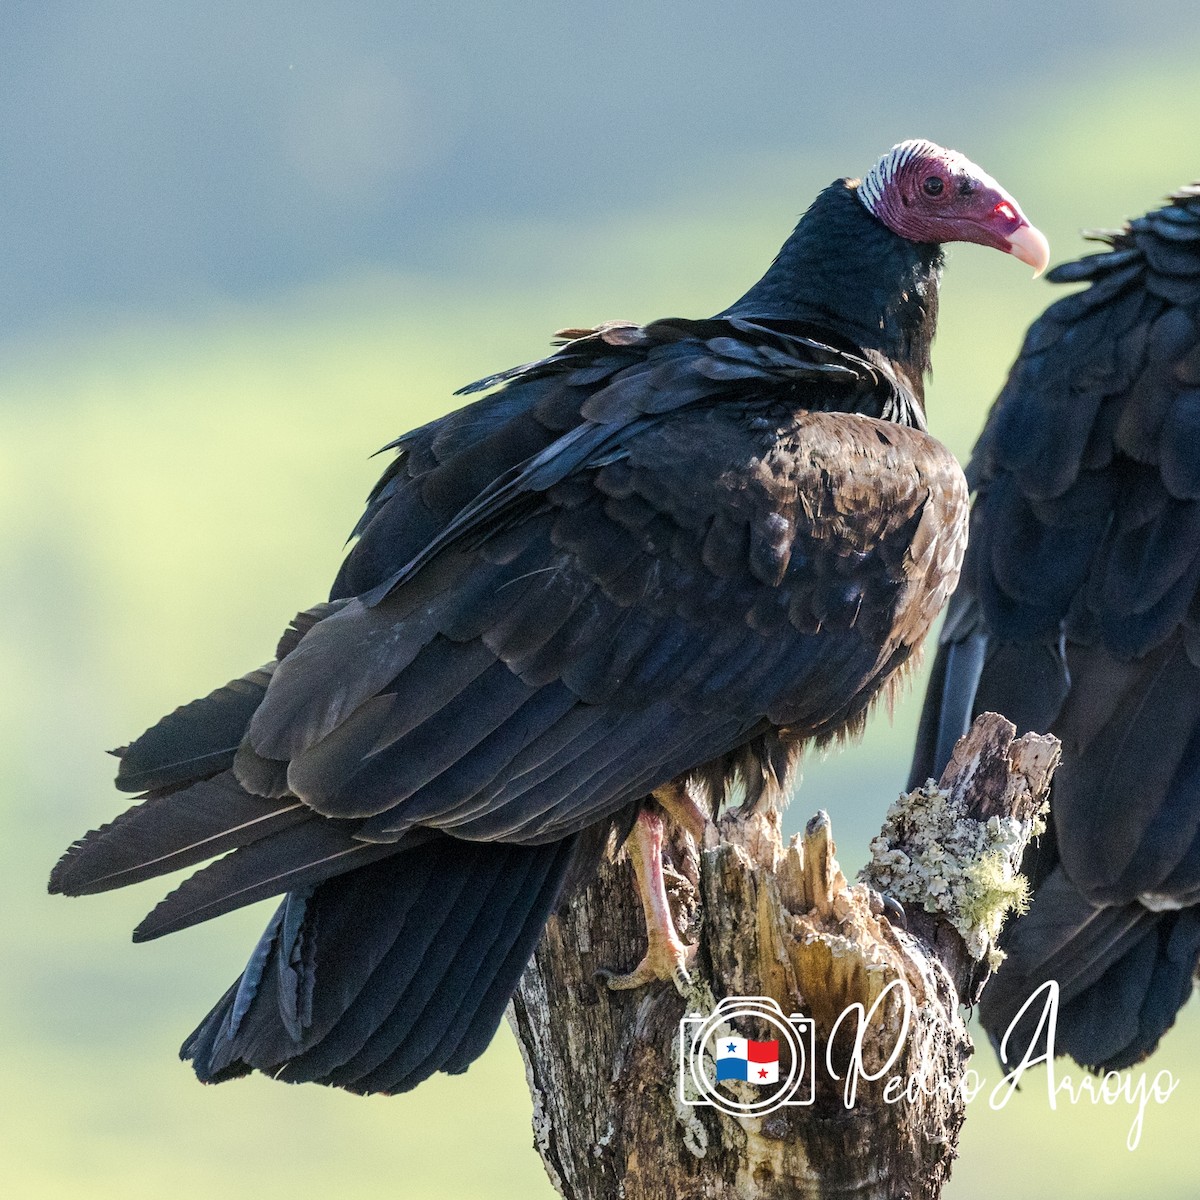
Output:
x,y
614,1115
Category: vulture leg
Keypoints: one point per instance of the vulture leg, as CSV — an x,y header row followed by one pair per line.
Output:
x,y
676,801
666,957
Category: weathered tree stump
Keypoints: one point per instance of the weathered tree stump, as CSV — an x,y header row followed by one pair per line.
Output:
x,y
615,1112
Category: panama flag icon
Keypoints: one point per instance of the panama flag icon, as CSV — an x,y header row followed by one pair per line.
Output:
x,y
751,1062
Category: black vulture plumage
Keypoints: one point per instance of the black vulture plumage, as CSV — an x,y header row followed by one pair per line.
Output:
x,y
1079,613
674,552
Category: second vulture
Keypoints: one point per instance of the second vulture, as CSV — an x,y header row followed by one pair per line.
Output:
x,y
1079,613
661,560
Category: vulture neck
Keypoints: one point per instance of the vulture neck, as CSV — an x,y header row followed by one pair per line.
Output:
x,y
844,270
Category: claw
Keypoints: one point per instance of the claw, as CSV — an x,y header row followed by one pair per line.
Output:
x,y
883,905
665,960
895,911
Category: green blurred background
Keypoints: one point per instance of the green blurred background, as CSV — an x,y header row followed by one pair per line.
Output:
x,y
245,246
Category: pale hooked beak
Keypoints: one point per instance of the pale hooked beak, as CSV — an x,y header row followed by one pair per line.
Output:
x,y
1030,246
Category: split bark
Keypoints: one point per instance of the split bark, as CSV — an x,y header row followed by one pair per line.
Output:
x,y
615,1112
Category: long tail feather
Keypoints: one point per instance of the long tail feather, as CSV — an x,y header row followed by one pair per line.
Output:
x,y
195,741
1120,1019
166,833
1123,972
378,978
293,859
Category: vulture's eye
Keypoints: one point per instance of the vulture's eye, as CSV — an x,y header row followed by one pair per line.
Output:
x,y
933,186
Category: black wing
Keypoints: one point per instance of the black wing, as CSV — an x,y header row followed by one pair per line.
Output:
x,y
689,564
1078,613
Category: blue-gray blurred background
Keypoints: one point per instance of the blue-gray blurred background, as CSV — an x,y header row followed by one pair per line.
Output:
x,y
244,244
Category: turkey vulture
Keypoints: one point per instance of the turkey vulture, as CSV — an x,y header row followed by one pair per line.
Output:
x,y
664,557
1079,613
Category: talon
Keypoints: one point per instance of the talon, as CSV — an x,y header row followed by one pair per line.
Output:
x,y
895,911
662,961
681,977
641,974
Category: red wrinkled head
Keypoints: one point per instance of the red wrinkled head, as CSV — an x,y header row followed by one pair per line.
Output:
x,y
926,193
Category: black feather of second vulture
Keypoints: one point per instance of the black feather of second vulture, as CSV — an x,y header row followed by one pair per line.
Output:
x,y
676,550
1078,612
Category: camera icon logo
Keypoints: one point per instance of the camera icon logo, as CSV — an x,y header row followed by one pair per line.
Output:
x,y
742,1076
